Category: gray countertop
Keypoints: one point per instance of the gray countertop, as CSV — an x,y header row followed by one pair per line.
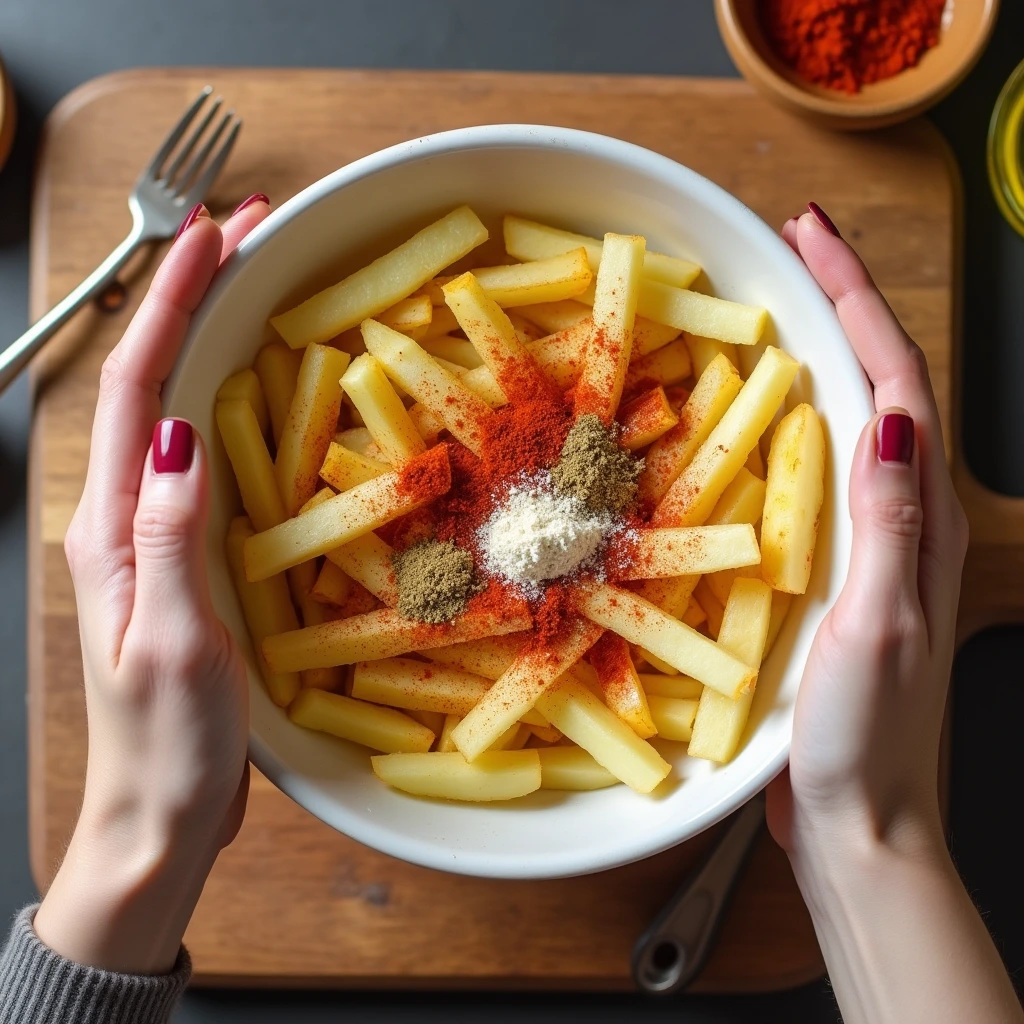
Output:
x,y
51,46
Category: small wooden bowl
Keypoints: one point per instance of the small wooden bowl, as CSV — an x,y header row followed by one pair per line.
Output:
x,y
966,27
7,114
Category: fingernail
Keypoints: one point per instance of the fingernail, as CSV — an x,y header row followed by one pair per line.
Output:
x,y
172,446
191,217
256,197
823,219
895,438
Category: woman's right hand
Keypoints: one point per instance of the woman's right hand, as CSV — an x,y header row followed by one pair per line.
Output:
x,y
858,811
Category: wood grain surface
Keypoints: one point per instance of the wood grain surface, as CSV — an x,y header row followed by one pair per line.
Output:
x,y
291,901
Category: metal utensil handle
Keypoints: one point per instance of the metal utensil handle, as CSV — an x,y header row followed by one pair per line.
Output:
x,y
17,355
670,954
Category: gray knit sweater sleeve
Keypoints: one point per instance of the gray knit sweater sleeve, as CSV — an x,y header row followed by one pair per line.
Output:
x,y
37,985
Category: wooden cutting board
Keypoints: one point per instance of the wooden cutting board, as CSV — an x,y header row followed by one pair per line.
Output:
x,y
291,902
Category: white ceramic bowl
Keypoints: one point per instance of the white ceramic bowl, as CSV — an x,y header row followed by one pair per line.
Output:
x,y
591,184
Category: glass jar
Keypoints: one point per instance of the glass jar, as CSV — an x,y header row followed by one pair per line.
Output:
x,y
1005,147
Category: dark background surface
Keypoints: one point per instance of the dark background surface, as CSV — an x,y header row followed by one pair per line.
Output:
x,y
51,46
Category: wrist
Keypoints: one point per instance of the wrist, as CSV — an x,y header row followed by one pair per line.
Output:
x,y
850,851
127,887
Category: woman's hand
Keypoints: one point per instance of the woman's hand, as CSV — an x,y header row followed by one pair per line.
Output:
x,y
869,714
165,685
857,811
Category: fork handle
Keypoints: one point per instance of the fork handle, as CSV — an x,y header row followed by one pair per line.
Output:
x,y
19,354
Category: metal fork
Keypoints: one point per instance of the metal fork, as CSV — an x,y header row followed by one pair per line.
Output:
x,y
164,192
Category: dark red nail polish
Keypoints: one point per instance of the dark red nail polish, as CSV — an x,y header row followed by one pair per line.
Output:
x,y
895,438
172,446
823,219
256,197
190,219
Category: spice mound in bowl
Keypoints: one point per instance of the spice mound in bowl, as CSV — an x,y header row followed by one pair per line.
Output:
x,y
519,523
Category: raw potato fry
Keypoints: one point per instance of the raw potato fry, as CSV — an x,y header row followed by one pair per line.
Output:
x,y
454,350
367,560
621,689
611,342
741,502
358,440
491,657
443,322
246,385
794,492
720,722
555,316
671,595
694,616
492,335
574,710
713,608
780,607
720,583
649,336
324,494
267,608
461,411
701,314
332,586
249,458
344,468
643,623
703,352
383,282
408,314
418,686
380,634
444,741
497,775
656,663
545,733
313,613
277,367
344,517
525,331
312,421
517,690
717,387
572,768
676,687
674,717
528,240
372,726
359,602
548,280
514,738
431,719
649,554
693,495
666,365
645,419
382,410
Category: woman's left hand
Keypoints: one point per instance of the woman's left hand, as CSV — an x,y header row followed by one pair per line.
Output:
x,y
165,685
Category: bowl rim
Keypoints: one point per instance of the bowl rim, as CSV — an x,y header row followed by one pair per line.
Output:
x,y
742,50
431,854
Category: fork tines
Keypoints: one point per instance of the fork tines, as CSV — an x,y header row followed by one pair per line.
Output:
x,y
182,175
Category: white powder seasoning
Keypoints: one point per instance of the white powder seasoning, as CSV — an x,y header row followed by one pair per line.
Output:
x,y
537,535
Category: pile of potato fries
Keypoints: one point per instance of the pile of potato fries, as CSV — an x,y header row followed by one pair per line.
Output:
x,y
372,371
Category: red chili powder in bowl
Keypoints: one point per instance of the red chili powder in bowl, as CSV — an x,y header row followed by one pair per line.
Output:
x,y
846,44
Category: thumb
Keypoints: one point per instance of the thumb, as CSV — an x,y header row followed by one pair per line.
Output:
x,y
170,526
885,505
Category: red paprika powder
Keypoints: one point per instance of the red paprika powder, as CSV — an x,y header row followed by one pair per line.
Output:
x,y
845,44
